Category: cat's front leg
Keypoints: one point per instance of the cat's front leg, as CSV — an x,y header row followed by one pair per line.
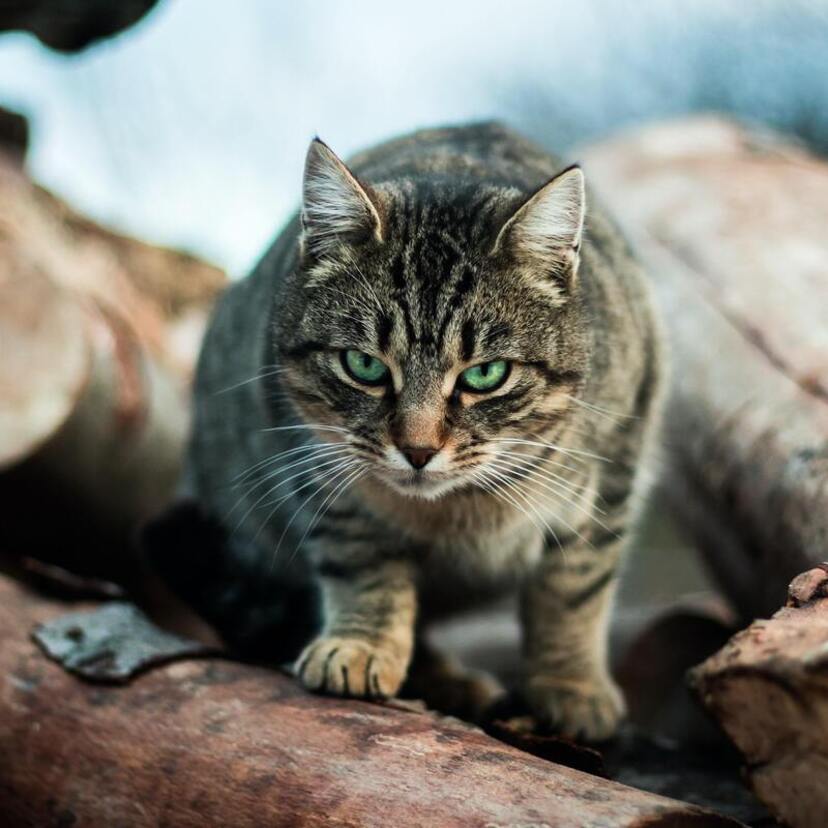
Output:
x,y
367,640
566,607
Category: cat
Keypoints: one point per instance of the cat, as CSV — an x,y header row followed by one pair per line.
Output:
x,y
440,385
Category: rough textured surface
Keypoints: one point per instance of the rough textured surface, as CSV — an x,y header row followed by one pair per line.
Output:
x,y
211,743
732,225
768,688
111,643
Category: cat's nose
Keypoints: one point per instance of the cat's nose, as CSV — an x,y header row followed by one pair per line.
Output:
x,y
419,456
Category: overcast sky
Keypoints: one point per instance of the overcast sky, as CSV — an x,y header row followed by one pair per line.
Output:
x,y
190,129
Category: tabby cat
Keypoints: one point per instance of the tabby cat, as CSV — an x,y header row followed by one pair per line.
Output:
x,y
437,387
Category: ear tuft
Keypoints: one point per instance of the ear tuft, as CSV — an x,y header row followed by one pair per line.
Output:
x,y
545,231
336,208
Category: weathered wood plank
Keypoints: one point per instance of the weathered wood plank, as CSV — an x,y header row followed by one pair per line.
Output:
x,y
768,688
219,743
99,334
732,227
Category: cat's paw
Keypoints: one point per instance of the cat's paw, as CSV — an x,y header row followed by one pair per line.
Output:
x,y
350,667
589,709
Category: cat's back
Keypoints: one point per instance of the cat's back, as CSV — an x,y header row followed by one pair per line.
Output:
x,y
488,152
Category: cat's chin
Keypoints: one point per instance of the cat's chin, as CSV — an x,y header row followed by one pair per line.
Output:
x,y
420,486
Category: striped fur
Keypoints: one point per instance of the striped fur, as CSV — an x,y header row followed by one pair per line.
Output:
x,y
436,252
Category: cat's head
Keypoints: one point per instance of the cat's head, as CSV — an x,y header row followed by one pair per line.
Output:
x,y
433,322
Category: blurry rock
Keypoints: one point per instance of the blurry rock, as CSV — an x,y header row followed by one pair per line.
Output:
x,y
768,689
71,25
653,669
99,336
731,225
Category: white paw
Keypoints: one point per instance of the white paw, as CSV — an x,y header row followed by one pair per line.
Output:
x,y
350,667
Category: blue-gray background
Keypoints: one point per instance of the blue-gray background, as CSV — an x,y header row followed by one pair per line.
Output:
x,y
190,128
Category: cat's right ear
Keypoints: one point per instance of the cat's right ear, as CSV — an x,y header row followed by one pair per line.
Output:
x,y
545,231
336,207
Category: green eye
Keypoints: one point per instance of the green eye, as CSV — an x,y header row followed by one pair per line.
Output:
x,y
480,379
364,368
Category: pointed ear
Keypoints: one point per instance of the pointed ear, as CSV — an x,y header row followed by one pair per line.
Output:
x,y
545,231
335,206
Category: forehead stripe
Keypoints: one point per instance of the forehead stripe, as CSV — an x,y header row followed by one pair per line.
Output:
x,y
468,338
385,326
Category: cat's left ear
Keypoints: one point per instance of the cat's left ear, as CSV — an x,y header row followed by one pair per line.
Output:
x,y
545,231
336,208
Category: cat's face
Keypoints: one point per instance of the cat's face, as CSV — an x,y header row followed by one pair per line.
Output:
x,y
433,326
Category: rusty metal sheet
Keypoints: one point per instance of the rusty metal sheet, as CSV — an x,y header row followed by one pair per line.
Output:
x,y
112,643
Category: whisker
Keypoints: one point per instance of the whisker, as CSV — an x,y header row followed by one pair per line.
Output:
x,y
308,426
605,412
324,476
543,444
329,501
560,520
549,478
317,454
497,490
348,464
364,279
273,457
522,510
350,297
506,481
260,376
313,453
279,485
565,501
545,460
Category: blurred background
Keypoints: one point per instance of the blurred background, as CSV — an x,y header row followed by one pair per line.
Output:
x,y
189,128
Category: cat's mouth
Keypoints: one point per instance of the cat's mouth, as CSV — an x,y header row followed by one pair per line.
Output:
x,y
422,484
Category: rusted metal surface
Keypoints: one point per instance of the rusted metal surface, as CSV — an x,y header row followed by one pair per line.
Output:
x,y
218,743
768,689
112,643
731,224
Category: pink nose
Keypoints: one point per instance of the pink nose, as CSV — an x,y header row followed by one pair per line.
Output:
x,y
418,457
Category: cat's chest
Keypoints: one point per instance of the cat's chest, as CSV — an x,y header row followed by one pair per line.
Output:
x,y
473,541
487,562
